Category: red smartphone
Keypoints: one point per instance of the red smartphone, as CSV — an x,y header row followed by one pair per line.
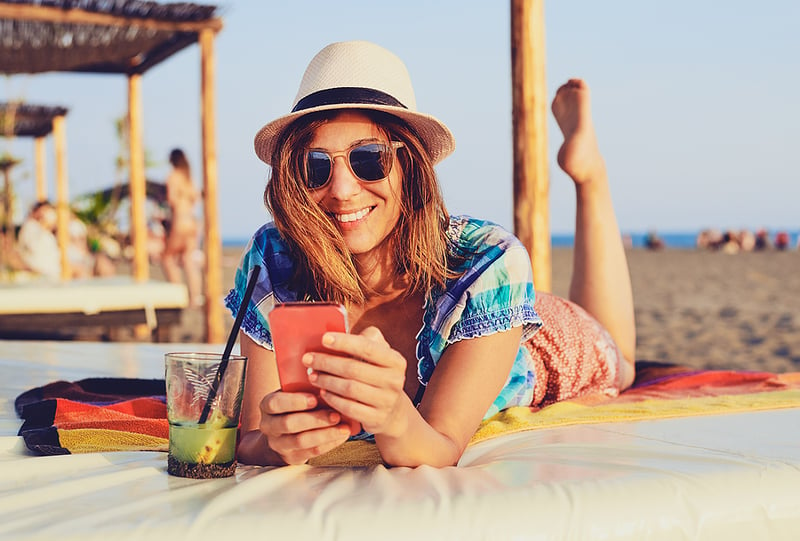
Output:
x,y
297,328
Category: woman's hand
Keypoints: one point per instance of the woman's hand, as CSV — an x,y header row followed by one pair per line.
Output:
x,y
297,431
365,383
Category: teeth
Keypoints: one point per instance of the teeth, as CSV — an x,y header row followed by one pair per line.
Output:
x,y
353,216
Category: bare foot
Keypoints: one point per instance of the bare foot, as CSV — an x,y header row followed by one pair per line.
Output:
x,y
579,155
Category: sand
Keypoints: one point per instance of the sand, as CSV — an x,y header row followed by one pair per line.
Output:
x,y
699,308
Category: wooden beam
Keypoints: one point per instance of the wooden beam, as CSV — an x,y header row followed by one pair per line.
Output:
x,y
63,212
213,244
138,227
28,12
531,182
41,179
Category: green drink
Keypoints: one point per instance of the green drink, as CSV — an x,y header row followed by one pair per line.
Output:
x,y
201,451
208,450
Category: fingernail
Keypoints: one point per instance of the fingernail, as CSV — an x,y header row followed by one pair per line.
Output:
x,y
311,401
333,417
306,359
312,376
327,340
344,431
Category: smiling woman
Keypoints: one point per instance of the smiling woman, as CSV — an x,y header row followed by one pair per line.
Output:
x,y
440,308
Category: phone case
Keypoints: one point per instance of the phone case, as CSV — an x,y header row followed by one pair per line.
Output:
x,y
296,328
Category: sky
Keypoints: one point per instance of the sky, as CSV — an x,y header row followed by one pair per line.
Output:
x,y
695,104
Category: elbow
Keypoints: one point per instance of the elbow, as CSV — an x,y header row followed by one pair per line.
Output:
x,y
441,454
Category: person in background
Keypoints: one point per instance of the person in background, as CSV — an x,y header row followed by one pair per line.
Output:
x,y
181,244
36,241
653,242
781,240
81,260
446,328
762,240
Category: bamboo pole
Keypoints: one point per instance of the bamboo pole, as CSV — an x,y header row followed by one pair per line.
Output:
x,y
41,180
138,227
531,182
213,244
62,195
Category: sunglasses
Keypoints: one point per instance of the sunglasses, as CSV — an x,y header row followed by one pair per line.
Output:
x,y
369,162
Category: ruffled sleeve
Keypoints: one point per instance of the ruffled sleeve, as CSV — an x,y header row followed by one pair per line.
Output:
x,y
267,250
495,292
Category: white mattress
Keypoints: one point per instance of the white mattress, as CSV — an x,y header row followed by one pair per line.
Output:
x,y
713,477
90,296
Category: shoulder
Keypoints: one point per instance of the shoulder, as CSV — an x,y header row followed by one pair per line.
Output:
x,y
269,252
482,243
493,288
476,235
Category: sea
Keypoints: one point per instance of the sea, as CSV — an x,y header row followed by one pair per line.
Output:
x,y
685,240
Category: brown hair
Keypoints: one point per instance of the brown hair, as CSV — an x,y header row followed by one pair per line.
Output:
x,y
325,269
178,160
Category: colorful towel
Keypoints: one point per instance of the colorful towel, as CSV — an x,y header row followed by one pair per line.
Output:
x,y
660,391
130,414
97,414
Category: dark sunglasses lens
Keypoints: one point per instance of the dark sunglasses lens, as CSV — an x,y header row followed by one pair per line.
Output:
x,y
371,162
318,169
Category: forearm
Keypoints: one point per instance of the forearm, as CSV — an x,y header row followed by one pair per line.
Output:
x,y
417,443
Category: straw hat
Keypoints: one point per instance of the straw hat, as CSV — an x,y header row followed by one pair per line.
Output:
x,y
358,75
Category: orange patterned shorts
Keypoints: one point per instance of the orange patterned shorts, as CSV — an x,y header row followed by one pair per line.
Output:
x,y
573,353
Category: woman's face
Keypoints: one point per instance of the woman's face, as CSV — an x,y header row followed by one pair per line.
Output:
x,y
365,212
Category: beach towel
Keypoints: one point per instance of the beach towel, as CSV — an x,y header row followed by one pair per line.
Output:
x,y
118,414
96,414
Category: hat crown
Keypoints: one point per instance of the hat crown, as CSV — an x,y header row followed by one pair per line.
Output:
x,y
358,64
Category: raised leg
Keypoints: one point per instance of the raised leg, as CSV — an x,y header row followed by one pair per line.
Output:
x,y
600,279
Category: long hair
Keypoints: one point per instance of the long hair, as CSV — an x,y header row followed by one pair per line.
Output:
x,y
325,268
178,160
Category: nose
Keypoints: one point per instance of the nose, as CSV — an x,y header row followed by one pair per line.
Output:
x,y
343,184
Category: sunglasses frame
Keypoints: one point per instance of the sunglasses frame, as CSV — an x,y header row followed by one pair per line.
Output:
x,y
392,146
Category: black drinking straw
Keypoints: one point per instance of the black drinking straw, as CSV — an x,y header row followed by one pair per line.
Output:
x,y
223,364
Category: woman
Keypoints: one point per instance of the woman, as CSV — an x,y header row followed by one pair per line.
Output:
x,y
180,247
441,309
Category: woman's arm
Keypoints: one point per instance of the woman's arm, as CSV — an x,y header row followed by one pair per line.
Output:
x,y
467,379
280,428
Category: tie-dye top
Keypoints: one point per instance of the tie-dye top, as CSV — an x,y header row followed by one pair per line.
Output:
x,y
494,293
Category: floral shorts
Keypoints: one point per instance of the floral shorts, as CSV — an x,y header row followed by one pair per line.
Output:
x,y
573,353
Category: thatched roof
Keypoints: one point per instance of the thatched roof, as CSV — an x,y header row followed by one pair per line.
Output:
x,y
24,120
102,36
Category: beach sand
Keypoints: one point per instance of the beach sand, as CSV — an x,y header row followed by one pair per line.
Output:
x,y
699,308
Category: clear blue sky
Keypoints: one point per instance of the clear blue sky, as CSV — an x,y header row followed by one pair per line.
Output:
x,y
696,103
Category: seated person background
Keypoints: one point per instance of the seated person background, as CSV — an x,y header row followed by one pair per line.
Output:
x,y
37,243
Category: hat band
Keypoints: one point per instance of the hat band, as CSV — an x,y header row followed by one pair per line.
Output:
x,y
347,95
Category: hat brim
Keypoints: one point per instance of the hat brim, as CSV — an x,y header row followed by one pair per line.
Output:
x,y
436,137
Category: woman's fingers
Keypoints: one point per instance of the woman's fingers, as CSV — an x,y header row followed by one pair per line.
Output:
x,y
368,390
369,346
297,432
280,402
298,448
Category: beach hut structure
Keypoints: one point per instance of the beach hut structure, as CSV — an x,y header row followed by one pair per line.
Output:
x,y
39,121
127,38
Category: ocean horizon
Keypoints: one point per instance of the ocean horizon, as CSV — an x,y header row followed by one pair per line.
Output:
x,y
682,240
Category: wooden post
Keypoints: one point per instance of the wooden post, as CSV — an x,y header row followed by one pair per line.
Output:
x,y
531,182
41,180
138,227
62,196
213,244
